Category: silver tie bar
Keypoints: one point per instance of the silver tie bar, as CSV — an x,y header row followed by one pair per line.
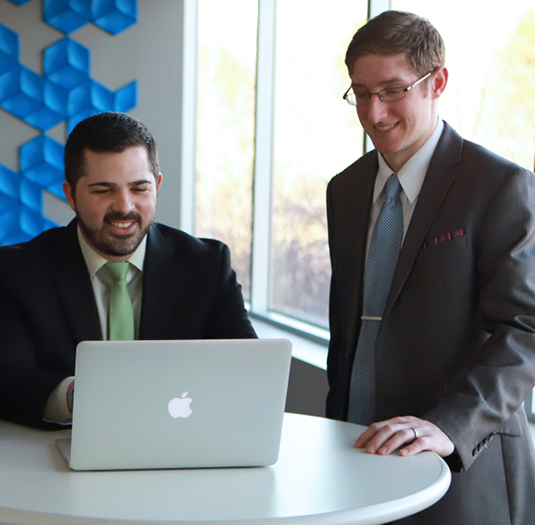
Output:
x,y
371,318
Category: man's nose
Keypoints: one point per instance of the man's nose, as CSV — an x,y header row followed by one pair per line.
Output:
x,y
123,202
377,109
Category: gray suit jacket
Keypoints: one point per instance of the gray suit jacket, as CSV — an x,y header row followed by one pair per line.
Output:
x,y
457,341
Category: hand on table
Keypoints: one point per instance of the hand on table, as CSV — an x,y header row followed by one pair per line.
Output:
x,y
411,433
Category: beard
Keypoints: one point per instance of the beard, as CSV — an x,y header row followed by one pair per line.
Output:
x,y
108,243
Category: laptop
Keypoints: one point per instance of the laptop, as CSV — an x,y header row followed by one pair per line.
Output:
x,y
178,404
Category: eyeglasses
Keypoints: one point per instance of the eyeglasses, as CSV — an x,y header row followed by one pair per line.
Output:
x,y
385,95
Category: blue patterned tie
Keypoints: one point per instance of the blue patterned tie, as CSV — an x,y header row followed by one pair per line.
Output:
x,y
383,254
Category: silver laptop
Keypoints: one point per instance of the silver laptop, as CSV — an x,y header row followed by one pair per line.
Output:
x,y
178,404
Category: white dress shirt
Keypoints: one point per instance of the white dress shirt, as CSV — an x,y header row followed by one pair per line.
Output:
x,y
411,177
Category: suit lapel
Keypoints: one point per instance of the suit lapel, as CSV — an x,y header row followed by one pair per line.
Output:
x,y
161,274
74,287
434,190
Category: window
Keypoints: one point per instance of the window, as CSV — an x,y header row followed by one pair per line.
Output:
x,y
225,131
490,97
299,64
314,137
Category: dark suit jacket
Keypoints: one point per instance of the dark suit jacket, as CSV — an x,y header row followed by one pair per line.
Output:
x,y
47,307
456,345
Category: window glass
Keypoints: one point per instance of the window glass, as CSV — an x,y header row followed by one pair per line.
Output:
x,y
225,127
490,97
316,135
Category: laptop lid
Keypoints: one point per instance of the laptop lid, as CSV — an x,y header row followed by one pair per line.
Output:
x,y
178,404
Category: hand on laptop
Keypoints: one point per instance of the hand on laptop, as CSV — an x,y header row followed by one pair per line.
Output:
x,y
411,433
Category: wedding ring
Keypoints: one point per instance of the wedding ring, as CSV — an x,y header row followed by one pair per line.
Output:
x,y
415,433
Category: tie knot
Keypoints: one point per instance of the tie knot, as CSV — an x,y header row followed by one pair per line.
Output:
x,y
118,270
392,187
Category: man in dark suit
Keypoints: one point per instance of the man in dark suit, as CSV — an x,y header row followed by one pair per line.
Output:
x,y
453,343
55,290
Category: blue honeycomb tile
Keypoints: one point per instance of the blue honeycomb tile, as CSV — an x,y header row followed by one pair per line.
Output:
x,y
126,98
10,232
20,2
9,42
21,92
7,63
57,189
7,203
55,97
31,195
102,98
44,118
92,98
9,84
33,223
41,161
67,63
78,117
114,16
54,108
9,184
78,99
14,237
67,15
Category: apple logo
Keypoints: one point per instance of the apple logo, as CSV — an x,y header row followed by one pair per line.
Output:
x,y
179,406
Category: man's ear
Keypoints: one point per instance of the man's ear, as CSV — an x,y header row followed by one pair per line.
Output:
x,y
438,81
159,182
69,194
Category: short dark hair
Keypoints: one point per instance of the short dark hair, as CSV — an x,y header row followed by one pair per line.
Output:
x,y
109,132
395,33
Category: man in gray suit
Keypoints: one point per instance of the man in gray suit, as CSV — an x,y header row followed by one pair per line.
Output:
x,y
453,344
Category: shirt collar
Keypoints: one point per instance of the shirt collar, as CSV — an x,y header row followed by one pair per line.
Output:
x,y
412,173
94,261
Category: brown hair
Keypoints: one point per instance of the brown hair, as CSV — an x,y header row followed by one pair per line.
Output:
x,y
108,132
395,33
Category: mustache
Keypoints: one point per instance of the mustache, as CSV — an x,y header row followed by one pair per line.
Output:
x,y
118,216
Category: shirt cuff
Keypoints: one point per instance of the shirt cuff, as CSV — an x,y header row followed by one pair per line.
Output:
x,y
56,408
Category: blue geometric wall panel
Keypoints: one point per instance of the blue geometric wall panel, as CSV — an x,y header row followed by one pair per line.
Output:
x,y
67,63
113,16
64,93
67,15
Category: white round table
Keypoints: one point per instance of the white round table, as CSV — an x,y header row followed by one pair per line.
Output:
x,y
320,478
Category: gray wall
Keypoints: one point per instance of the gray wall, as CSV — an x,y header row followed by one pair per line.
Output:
x,y
307,389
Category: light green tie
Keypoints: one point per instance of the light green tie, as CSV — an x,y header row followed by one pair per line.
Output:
x,y
121,313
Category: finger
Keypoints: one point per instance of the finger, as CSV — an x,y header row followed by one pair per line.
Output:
x,y
400,438
366,437
418,445
392,430
370,433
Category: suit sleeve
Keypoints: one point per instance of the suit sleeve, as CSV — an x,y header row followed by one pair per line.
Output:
x,y
25,383
502,373
227,318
